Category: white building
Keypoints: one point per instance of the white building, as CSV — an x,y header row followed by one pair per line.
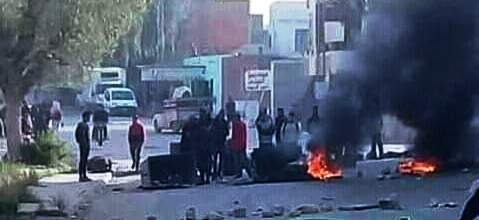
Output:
x,y
289,28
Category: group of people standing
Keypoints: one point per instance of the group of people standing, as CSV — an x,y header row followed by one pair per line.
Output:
x,y
285,129
221,140
136,139
38,119
208,139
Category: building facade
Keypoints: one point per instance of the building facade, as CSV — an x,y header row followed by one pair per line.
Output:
x,y
289,28
216,26
335,26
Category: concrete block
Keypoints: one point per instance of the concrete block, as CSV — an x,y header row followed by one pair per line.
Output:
x,y
28,208
374,168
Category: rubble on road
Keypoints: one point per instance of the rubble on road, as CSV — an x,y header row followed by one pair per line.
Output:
x,y
190,213
306,209
268,214
239,212
278,210
28,208
436,204
389,204
213,216
358,207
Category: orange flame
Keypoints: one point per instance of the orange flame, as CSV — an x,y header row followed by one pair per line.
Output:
x,y
319,168
417,167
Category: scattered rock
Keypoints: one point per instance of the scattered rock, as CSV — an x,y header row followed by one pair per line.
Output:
x,y
236,202
308,209
259,209
117,189
327,198
358,207
392,176
279,210
267,214
466,170
389,204
213,216
380,177
190,213
27,208
50,211
326,208
294,214
151,217
256,213
239,212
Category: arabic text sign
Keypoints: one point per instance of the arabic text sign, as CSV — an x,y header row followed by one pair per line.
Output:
x,y
258,80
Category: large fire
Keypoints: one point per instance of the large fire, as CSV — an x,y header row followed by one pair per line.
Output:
x,y
320,168
417,167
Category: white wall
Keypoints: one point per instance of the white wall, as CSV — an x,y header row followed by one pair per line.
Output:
x,y
285,18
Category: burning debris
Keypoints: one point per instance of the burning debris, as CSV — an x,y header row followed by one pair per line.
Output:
x,y
417,61
417,167
319,166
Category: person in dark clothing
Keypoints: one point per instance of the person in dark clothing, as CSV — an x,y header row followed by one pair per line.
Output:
x,y
265,127
36,120
219,132
100,122
136,138
312,125
377,150
187,135
279,122
2,122
83,139
471,206
203,148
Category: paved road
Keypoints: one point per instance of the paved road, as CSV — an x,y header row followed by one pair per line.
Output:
x,y
414,194
117,146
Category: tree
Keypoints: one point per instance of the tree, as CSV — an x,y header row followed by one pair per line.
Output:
x,y
37,35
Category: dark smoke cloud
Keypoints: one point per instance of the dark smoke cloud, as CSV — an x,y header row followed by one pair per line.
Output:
x,y
418,61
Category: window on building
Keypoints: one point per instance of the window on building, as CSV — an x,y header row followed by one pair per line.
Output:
x,y
301,40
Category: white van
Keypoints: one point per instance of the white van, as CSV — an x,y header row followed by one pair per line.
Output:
x,y
120,101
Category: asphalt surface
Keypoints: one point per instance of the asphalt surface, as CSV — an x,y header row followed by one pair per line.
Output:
x,y
414,195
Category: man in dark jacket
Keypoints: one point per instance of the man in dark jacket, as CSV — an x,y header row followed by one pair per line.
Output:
x,y
265,126
280,121
219,132
83,139
136,138
203,148
100,122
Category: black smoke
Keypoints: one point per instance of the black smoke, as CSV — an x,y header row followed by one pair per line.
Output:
x,y
418,61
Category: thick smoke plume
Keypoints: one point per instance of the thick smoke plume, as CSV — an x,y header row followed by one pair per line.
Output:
x,y
417,61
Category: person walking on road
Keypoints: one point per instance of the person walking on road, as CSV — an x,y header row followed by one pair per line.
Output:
x,y
312,125
376,151
136,138
279,122
56,116
238,146
82,137
265,126
204,148
100,122
219,132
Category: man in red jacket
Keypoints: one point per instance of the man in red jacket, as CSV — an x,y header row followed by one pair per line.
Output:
x,y
136,138
238,145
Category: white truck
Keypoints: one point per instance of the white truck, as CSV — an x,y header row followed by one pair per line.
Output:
x,y
101,79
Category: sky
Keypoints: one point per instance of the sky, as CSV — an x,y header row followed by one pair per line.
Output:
x,y
262,7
